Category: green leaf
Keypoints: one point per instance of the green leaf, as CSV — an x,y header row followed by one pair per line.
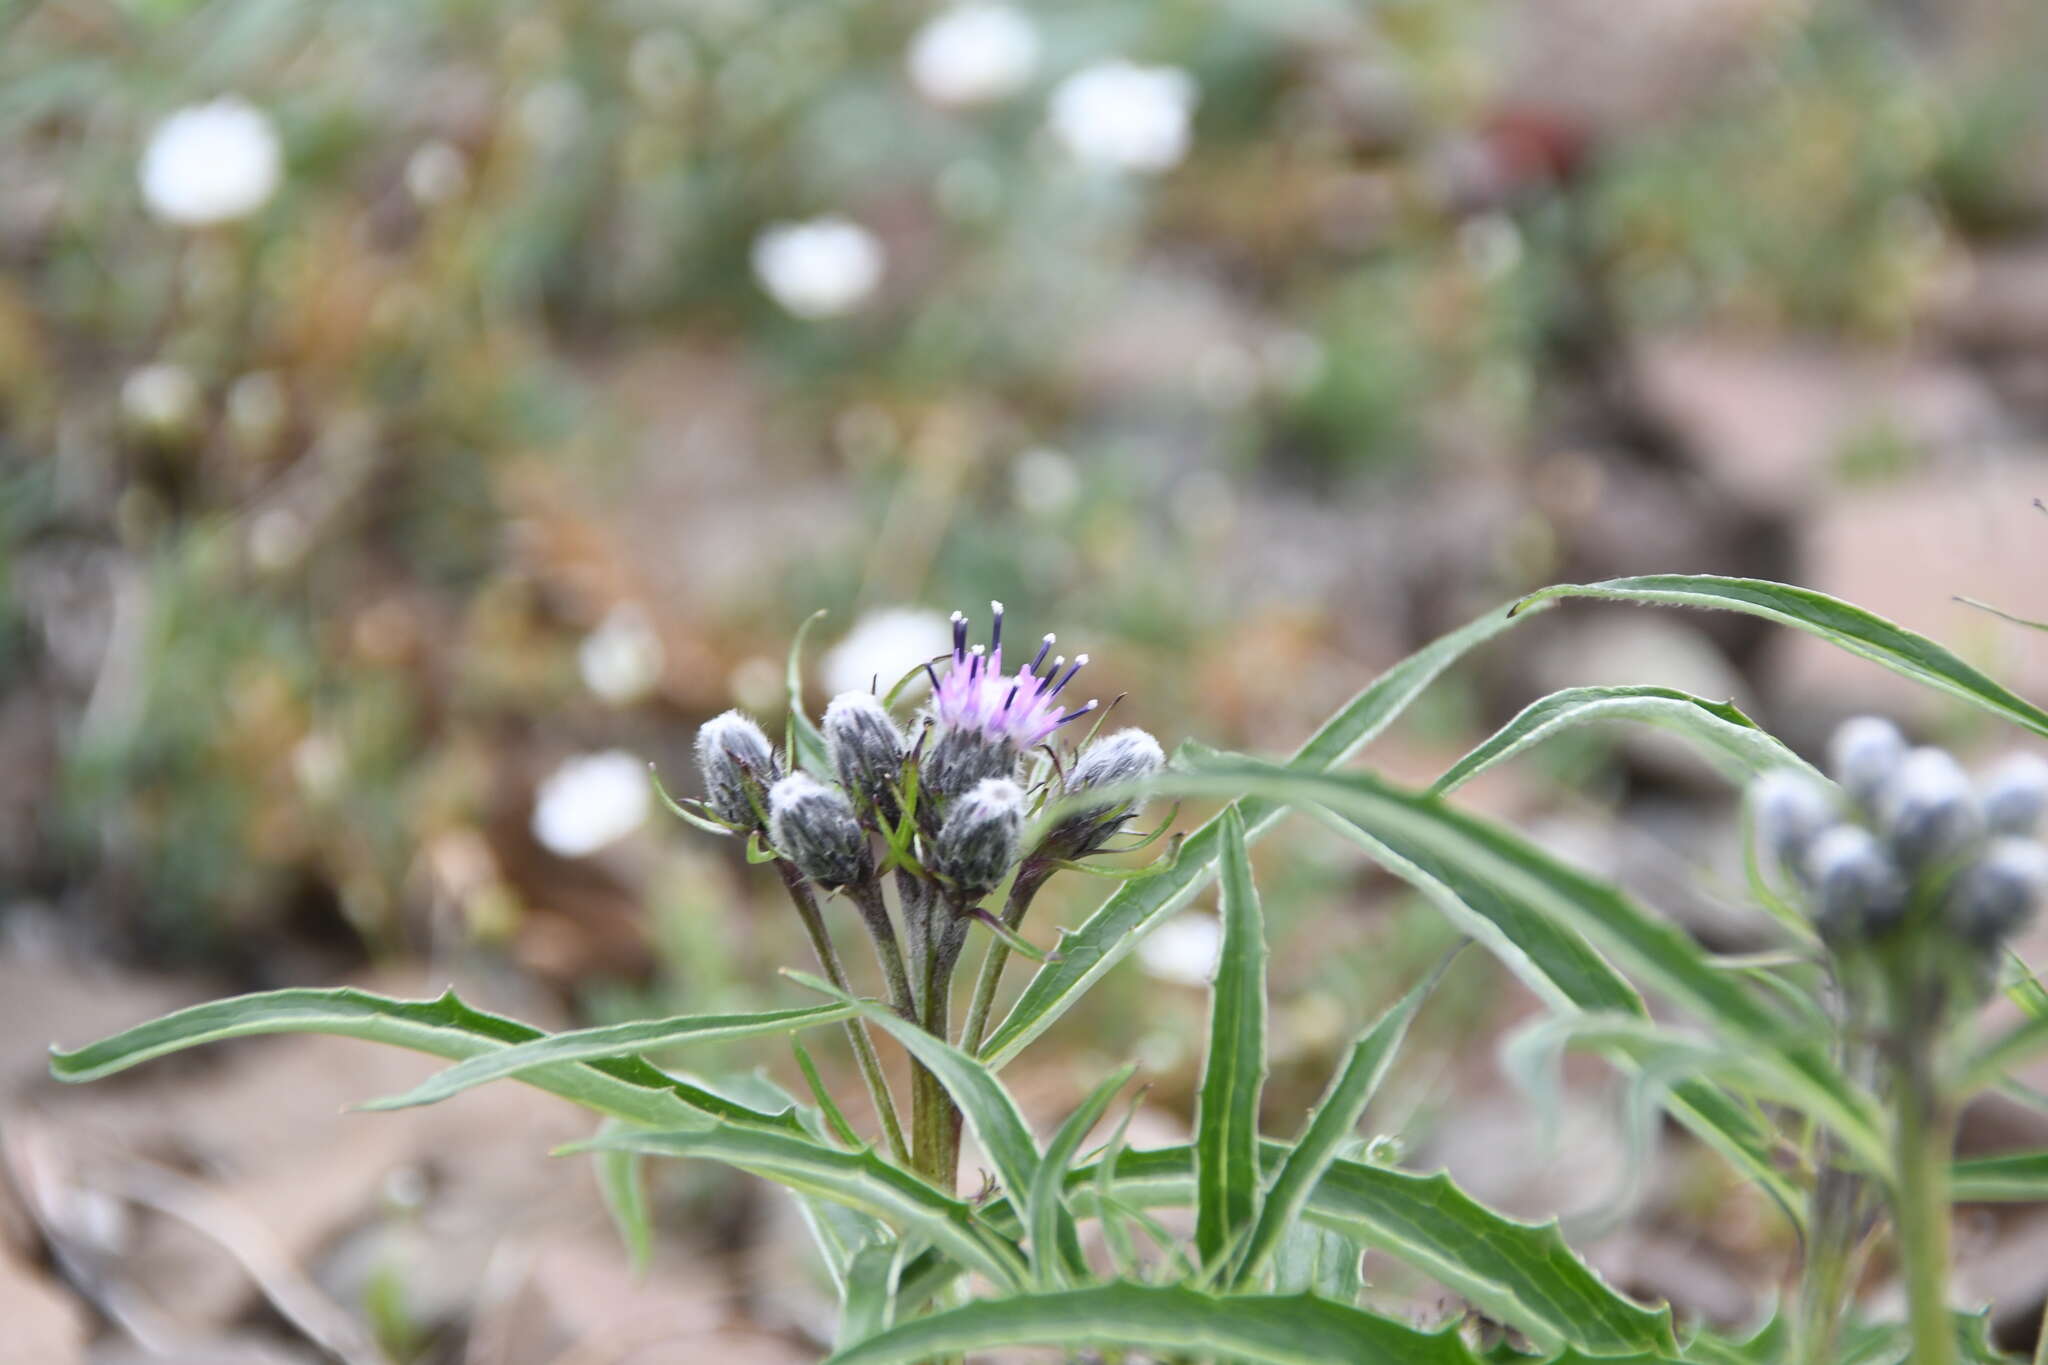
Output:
x,y
806,746
1045,1207
2011,1050
1133,910
624,1187
988,1108
860,1180
1564,970
2013,1178
1521,1273
866,1304
1227,1110
1168,1319
625,1088
1728,736
1851,628
612,1040
1490,867
1331,1126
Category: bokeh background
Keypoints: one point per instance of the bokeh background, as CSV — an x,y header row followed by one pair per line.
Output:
x,y
415,417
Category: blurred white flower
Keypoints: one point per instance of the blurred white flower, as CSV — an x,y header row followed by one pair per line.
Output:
x,y
161,399
436,172
1125,117
1044,481
621,659
211,163
1184,949
883,646
818,269
973,54
589,802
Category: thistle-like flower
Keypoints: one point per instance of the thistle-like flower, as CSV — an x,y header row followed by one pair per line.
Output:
x,y
1857,888
813,826
866,749
981,836
1792,811
738,765
985,718
1127,756
1996,896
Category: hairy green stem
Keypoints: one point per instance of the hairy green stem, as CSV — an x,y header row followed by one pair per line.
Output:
x,y
1022,890
856,1029
867,894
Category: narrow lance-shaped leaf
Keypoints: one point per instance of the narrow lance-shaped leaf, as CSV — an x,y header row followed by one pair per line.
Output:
x,y
860,1180
623,1184
1227,1108
1563,969
1168,1320
1508,868
1332,1124
2011,1178
1045,1207
1727,737
611,1040
1133,910
622,1087
870,1291
806,745
1860,632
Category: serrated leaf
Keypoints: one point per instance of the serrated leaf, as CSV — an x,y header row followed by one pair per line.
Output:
x,y
1137,907
625,1088
1169,1319
1522,1274
860,1180
1860,632
611,1040
1564,970
1493,869
1331,1125
1234,1072
1727,736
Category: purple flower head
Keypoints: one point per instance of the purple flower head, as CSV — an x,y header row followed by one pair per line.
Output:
x,y
976,696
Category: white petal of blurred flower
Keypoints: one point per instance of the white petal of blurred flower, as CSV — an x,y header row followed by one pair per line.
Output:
x,y
820,268
436,172
1044,481
973,54
211,163
1184,949
884,645
590,801
1125,117
161,398
621,660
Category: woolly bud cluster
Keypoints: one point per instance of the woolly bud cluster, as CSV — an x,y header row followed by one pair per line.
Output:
x,y
1916,841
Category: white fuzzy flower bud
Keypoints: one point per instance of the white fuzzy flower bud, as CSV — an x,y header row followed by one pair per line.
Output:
x,y
1863,754
813,826
1927,810
1997,895
2015,793
1791,811
866,748
733,755
1857,888
980,837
